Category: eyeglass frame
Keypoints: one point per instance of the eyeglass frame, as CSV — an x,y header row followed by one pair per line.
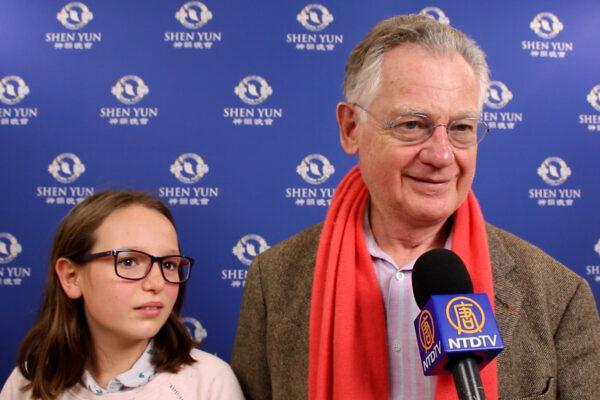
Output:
x,y
387,125
153,259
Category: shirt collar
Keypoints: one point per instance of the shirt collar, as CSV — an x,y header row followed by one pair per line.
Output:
x,y
140,373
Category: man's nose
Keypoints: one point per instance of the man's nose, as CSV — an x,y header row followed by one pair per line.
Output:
x,y
438,150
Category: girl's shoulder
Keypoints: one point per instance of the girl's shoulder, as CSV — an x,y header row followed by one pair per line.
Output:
x,y
211,377
12,387
209,371
207,360
208,378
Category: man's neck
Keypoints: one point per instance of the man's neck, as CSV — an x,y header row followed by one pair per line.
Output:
x,y
402,241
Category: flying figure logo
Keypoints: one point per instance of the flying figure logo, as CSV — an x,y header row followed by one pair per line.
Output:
x,y
193,15
189,168
437,14
253,90
9,247
497,95
315,17
66,168
593,97
12,90
465,315
426,330
315,169
74,15
130,89
249,247
546,25
554,171
195,328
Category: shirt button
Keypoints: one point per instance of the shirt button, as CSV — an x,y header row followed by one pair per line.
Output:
x,y
396,347
399,275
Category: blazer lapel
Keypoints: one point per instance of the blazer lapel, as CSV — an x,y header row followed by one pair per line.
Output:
x,y
508,296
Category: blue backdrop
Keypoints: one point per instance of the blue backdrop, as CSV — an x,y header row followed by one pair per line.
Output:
x,y
226,111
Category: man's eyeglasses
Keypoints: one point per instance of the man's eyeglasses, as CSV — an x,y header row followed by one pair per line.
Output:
x,y
136,265
415,128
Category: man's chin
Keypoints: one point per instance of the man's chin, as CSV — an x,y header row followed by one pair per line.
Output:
x,y
432,213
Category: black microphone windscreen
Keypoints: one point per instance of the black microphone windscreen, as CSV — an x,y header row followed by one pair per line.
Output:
x,y
439,271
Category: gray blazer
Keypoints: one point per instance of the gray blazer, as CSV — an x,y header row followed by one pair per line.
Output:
x,y
546,313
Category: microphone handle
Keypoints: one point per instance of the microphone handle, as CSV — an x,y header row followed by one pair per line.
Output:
x,y
467,379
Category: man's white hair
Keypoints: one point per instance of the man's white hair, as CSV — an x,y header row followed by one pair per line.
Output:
x,y
363,69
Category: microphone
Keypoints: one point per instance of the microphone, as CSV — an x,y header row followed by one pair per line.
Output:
x,y
456,329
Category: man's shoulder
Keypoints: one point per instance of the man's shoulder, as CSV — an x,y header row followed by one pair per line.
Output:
x,y
289,262
512,255
297,247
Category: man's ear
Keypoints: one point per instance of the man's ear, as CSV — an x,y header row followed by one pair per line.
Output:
x,y
69,276
348,122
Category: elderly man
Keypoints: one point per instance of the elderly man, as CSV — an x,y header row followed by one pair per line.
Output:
x,y
327,314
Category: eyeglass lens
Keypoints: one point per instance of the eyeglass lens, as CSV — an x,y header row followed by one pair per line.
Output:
x,y
135,265
413,128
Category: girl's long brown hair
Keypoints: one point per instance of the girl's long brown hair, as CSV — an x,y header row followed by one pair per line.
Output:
x,y
58,347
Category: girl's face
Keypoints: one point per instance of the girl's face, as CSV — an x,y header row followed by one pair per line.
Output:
x,y
126,312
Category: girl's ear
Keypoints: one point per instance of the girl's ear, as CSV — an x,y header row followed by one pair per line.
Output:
x,y
69,276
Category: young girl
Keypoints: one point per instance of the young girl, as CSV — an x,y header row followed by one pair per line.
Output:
x,y
109,323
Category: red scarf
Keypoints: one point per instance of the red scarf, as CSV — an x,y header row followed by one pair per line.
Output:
x,y
348,356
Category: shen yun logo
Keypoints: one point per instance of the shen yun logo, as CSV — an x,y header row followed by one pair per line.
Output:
x,y
554,171
75,15
13,89
314,169
437,14
498,95
9,250
245,250
314,18
197,331
130,89
66,168
253,90
193,15
249,247
189,168
594,270
592,120
547,26
593,97
9,247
